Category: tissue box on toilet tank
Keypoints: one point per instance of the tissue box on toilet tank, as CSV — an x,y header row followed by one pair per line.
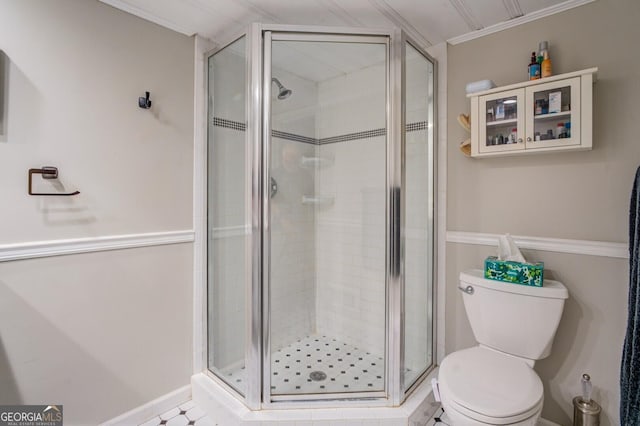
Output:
x,y
514,272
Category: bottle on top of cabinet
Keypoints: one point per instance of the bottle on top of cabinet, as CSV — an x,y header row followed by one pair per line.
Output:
x,y
545,66
543,46
534,67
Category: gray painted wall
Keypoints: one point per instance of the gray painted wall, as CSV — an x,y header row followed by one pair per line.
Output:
x,y
582,195
100,333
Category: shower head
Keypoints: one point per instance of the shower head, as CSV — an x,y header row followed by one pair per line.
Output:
x,y
283,93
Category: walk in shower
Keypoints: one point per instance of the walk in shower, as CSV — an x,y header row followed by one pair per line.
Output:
x,y
320,216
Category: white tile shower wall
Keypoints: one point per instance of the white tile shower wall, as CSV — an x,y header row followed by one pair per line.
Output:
x,y
292,254
350,250
297,113
352,103
292,257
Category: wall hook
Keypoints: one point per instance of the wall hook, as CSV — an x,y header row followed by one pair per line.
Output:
x,y
144,102
47,172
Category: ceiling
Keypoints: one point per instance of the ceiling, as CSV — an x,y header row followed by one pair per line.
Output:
x,y
428,22
317,61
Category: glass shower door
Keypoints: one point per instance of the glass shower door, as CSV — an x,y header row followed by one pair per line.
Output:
x,y
327,206
228,215
419,185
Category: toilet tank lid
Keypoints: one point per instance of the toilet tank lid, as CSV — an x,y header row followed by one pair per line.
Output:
x,y
550,289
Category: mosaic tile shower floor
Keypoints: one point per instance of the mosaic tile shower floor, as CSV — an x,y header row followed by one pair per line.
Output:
x,y
346,368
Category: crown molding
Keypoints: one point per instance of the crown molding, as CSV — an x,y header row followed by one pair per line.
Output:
x,y
126,7
533,16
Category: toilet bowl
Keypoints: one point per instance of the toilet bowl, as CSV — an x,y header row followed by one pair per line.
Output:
x,y
494,383
480,386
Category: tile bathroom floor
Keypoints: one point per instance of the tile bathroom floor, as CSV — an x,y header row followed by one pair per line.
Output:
x,y
320,364
190,414
187,413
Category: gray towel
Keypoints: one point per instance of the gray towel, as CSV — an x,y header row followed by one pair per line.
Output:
x,y
630,366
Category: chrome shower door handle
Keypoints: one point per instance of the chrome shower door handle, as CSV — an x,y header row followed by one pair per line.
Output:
x,y
468,289
274,187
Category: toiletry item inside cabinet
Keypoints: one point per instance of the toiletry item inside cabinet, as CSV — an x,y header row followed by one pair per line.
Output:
x,y
535,116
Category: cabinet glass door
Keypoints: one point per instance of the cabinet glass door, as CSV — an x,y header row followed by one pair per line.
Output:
x,y
553,117
501,121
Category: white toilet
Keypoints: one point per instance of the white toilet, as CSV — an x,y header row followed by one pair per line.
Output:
x,y
494,383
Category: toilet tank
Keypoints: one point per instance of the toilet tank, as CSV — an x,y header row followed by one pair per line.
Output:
x,y
516,319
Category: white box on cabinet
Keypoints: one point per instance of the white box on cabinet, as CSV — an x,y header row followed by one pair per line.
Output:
x,y
555,102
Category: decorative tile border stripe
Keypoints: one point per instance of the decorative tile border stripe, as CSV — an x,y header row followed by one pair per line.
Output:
x,y
293,137
418,125
353,136
236,125
229,124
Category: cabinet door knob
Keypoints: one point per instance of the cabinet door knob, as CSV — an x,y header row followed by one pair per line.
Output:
x,y
519,140
529,139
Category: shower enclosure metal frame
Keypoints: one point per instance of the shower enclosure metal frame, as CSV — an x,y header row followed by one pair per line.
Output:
x,y
257,332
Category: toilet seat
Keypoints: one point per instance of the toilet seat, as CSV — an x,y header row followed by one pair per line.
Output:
x,y
490,387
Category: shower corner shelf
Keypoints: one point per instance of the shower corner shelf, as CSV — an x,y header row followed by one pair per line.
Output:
x,y
313,162
318,200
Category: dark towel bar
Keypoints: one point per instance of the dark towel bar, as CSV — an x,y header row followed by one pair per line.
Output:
x,y
47,172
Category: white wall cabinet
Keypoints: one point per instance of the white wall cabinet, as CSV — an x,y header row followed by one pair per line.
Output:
x,y
550,114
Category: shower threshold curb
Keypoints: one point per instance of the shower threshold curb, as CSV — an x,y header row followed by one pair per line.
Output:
x,y
224,408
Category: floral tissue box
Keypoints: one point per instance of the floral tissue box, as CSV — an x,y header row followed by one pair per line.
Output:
x,y
514,272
